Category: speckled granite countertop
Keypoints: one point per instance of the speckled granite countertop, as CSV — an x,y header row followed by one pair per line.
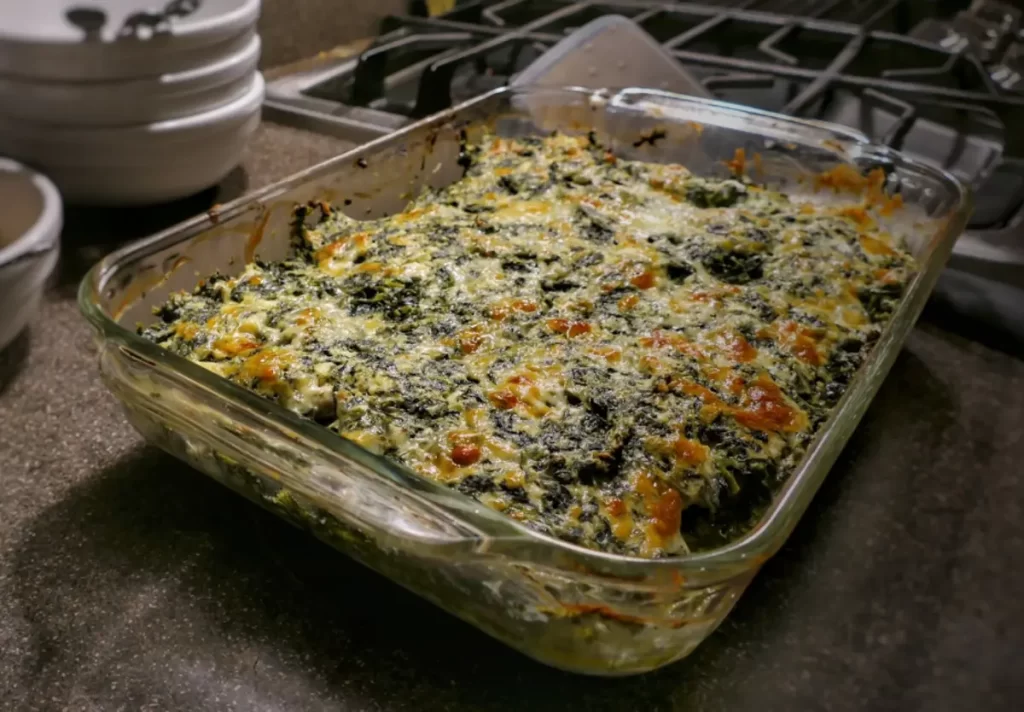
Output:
x,y
130,582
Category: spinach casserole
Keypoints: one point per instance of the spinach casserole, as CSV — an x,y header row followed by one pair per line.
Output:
x,y
619,354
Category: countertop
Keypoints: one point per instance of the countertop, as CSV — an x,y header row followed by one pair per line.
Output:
x,y
130,582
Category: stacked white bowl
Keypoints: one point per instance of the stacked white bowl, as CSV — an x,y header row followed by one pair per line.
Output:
x,y
129,101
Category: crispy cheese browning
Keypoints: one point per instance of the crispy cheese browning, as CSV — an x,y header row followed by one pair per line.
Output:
x,y
619,354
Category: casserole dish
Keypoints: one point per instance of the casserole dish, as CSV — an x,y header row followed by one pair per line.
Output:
x,y
570,607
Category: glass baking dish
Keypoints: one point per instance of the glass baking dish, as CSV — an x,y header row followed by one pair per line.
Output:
x,y
570,607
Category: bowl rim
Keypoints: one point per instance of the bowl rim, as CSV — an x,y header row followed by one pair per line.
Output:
x,y
45,231
165,130
203,75
204,29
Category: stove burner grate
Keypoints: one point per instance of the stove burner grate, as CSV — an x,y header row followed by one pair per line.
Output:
x,y
938,79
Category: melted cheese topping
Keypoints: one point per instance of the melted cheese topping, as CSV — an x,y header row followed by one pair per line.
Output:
x,y
619,354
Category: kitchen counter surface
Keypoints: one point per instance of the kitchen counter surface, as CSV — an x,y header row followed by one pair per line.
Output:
x,y
129,581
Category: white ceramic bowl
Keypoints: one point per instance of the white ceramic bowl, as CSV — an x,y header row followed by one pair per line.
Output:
x,y
144,163
30,222
132,101
118,39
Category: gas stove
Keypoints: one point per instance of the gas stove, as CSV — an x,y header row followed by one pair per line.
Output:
x,y
940,80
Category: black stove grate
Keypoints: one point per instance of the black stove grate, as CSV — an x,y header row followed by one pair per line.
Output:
x,y
938,79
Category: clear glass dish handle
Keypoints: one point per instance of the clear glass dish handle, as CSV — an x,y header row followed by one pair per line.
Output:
x,y
682,109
